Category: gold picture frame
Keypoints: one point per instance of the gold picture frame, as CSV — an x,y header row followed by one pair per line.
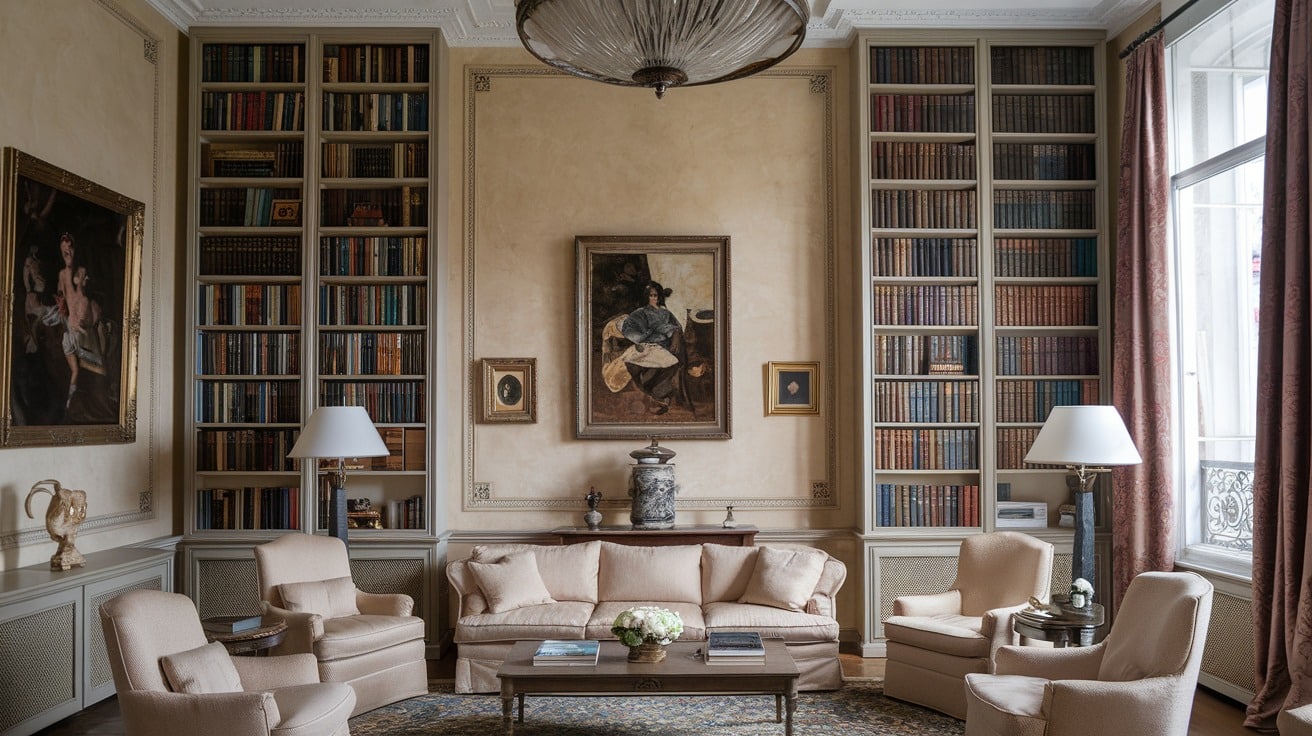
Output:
x,y
509,390
792,388
70,254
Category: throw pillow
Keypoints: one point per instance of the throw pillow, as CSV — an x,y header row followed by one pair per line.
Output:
x,y
328,598
784,578
206,669
511,582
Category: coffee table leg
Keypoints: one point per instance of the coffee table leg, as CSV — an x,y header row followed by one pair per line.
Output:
x,y
521,707
778,708
507,699
791,700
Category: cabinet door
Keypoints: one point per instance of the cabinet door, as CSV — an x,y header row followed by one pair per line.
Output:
x,y
41,658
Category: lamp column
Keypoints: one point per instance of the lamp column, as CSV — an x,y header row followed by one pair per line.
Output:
x,y
1082,554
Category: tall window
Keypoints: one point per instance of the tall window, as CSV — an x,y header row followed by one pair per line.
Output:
x,y
1217,112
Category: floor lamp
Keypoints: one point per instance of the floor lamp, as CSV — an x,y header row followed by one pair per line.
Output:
x,y
339,432
1088,440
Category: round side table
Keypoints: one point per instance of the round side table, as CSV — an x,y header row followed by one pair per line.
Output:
x,y
1065,627
254,641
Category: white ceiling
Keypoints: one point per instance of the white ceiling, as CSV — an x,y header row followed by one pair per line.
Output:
x,y
492,22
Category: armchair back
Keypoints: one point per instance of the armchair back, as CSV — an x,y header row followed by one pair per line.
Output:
x,y
1001,569
1160,628
143,626
298,558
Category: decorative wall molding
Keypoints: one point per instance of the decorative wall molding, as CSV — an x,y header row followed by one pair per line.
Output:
x,y
26,537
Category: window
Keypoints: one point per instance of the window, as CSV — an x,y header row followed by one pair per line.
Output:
x,y
1217,115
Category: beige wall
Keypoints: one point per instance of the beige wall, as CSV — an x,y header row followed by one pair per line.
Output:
x,y
81,93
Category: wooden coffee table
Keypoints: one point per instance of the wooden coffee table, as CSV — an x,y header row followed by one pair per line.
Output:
x,y
682,673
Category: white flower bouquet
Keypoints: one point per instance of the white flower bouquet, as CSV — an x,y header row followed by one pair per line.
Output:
x,y
1081,592
648,624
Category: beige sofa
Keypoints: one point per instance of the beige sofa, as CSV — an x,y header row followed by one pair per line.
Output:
x,y
509,593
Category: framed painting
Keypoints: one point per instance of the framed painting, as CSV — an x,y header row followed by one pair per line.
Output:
x,y
70,252
652,337
792,388
509,390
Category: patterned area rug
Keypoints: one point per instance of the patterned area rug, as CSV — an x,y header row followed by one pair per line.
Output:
x,y
859,708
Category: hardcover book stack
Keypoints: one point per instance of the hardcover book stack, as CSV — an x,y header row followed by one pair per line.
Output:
x,y
734,648
556,652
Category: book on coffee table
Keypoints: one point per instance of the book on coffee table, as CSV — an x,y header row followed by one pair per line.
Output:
x,y
734,647
231,624
567,652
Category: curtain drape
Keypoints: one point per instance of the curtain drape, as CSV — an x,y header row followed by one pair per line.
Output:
x,y
1142,523
1282,481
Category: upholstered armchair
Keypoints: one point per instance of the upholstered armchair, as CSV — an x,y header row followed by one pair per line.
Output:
x,y
369,641
1295,721
1139,681
171,681
935,640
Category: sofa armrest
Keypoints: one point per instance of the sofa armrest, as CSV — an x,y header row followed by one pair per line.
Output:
x,y
470,597
931,604
266,673
303,629
152,712
384,604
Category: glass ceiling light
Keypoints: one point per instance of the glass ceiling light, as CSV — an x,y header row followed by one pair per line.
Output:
x,y
662,43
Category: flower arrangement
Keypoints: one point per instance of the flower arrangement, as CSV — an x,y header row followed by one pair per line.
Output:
x,y
647,624
1081,592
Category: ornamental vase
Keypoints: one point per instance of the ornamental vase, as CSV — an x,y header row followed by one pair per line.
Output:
x,y
1078,600
653,489
647,652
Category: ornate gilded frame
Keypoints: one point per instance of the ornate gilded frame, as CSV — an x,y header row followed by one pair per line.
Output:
x,y
792,388
510,391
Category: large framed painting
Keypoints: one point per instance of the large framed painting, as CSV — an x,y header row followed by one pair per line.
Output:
x,y
70,253
652,337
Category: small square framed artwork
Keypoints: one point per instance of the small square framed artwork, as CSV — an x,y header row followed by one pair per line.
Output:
x,y
509,390
792,388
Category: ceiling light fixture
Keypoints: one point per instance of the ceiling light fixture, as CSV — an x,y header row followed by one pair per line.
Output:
x,y
662,43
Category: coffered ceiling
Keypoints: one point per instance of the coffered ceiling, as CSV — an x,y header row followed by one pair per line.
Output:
x,y
492,22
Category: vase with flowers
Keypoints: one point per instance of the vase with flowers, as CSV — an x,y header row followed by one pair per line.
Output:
x,y
1081,593
645,630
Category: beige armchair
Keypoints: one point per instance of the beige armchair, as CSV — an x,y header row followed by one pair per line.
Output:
x,y
935,640
366,640
1139,681
1295,721
170,681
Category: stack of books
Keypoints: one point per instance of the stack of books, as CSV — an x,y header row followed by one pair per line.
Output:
x,y
231,624
555,652
734,647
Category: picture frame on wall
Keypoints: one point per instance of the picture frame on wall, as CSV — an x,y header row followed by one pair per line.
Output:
x,y
70,253
792,388
509,390
652,337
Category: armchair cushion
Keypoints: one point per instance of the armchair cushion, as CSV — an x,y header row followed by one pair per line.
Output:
x,y
206,669
1006,704
328,598
784,578
954,635
511,582
351,636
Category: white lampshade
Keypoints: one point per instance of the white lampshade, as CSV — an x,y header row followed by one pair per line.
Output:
x,y
339,431
1084,435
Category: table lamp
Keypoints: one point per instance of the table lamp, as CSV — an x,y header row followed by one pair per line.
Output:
x,y
339,432
1088,440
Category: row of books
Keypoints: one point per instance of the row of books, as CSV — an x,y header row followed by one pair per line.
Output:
x,y
372,160
373,256
913,160
373,304
1031,401
386,63
246,207
258,507
1041,65
926,304
926,449
248,304
1017,305
403,206
1039,257
922,208
406,449
375,111
248,402
1013,444
388,402
1044,209
406,513
925,256
921,355
371,353
249,255
1044,161
248,353
264,111
922,65
919,505
922,113
1051,355
252,62
926,401
1044,114
283,159
245,449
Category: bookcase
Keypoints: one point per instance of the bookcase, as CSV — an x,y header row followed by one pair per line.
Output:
x,y
311,228
982,254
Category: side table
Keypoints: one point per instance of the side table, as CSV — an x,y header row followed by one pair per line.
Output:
x,y
253,641
1064,627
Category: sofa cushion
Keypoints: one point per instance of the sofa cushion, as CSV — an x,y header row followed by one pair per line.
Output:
x,y
603,616
631,573
205,669
560,620
725,571
511,582
328,598
351,636
947,633
784,578
792,626
569,571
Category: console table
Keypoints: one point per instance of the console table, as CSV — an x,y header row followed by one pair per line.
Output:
x,y
743,535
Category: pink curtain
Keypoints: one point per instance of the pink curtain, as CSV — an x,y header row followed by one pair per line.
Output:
x,y
1143,526
1282,480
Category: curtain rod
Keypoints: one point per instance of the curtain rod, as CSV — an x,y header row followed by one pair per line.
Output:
x,y
1157,28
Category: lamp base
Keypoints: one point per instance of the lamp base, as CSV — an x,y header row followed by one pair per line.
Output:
x,y
1082,552
337,514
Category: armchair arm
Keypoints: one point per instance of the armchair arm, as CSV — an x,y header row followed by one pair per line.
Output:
x,y
1072,663
1152,705
995,625
932,604
266,673
384,604
303,629
157,713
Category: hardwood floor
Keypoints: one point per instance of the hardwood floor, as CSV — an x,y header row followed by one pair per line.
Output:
x,y
1213,715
